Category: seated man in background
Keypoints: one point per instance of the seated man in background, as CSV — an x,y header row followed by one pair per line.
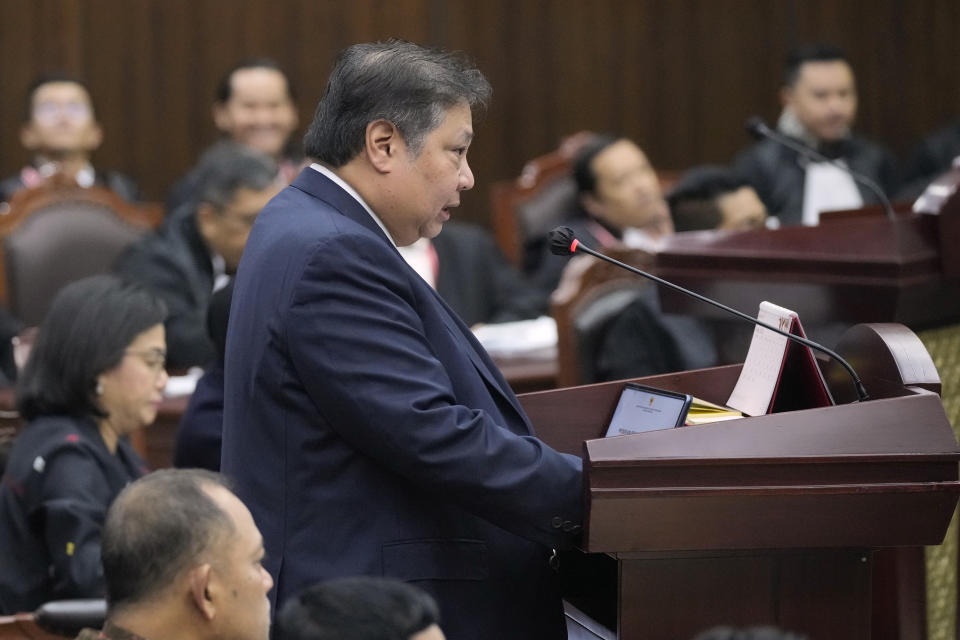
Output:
x,y
360,608
201,426
470,273
60,130
819,99
711,197
254,106
198,248
620,203
181,559
642,339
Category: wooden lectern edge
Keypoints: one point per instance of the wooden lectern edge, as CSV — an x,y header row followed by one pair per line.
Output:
x,y
641,449
948,486
604,463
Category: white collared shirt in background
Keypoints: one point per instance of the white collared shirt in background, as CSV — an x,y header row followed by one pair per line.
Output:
x,y
828,188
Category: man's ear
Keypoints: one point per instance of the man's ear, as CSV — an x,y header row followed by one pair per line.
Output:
x,y
221,117
591,204
94,137
200,591
28,138
206,221
786,96
382,144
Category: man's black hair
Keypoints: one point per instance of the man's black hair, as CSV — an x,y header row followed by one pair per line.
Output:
x,y
811,52
693,199
358,608
50,78
224,88
583,173
400,82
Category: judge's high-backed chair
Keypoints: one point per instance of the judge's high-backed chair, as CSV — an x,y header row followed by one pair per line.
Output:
x,y
55,234
590,295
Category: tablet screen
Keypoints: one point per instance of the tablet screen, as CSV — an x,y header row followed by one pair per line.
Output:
x,y
646,409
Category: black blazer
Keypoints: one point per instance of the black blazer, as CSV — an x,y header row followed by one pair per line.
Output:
x,y
59,480
477,280
175,263
778,173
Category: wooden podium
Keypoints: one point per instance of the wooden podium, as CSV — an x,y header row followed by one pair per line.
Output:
x,y
858,268
766,520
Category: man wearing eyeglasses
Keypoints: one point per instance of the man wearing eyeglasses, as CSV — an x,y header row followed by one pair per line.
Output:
x,y
198,247
61,132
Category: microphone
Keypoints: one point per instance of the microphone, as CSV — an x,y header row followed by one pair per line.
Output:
x,y
563,242
758,129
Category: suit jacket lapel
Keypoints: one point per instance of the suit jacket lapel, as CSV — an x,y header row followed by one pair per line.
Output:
x,y
323,188
481,360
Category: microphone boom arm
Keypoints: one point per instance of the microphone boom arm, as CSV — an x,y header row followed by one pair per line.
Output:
x,y
857,383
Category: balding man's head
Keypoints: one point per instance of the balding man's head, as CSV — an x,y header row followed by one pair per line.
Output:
x,y
156,529
182,554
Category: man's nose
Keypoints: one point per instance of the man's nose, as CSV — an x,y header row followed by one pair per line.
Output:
x,y
466,177
267,579
162,379
264,116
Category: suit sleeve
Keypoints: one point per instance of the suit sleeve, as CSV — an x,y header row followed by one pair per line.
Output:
x,y
73,503
361,351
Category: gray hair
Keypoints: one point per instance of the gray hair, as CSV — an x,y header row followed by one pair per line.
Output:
x,y
397,81
159,526
227,167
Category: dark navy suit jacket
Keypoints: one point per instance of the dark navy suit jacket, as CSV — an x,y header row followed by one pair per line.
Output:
x,y
369,433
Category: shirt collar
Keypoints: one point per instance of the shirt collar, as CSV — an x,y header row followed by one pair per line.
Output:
x,y
316,166
220,277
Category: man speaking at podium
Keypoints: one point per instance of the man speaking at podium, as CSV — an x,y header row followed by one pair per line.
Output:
x,y
366,429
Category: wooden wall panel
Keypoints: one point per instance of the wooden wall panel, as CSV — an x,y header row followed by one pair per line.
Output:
x,y
679,76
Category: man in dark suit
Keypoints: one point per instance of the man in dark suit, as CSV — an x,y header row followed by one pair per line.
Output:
x,y
819,99
366,428
198,247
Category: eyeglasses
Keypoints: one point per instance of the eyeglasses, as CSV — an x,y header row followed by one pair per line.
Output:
x,y
155,359
48,111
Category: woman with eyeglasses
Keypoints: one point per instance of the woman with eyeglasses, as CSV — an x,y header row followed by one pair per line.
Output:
x,y
95,374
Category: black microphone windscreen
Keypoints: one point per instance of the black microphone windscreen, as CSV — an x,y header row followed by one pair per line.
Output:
x,y
756,126
561,239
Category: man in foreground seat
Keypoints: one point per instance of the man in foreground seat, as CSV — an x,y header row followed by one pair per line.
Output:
x,y
181,560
